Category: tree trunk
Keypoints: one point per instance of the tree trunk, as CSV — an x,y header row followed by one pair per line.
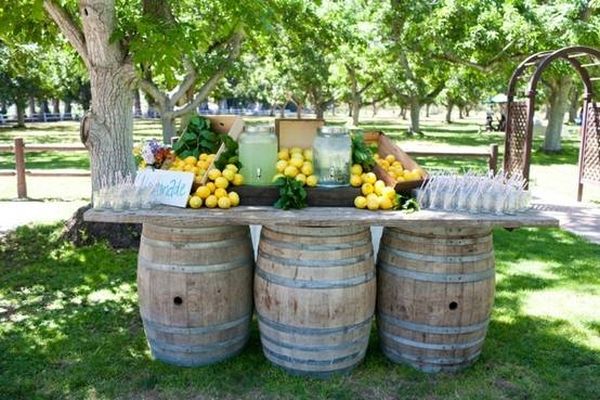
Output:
x,y
169,129
415,115
298,111
282,111
574,105
460,113
272,113
333,109
559,104
3,107
55,106
449,108
319,110
355,111
32,110
375,109
427,106
350,109
403,113
20,113
68,108
111,124
467,111
137,102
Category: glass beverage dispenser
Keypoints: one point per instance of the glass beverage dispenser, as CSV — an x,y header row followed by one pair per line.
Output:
x,y
332,150
258,155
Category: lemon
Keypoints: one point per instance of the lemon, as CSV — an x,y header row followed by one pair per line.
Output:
x,y
379,186
373,204
228,174
418,172
211,186
232,167
367,188
211,201
220,192
308,154
360,202
355,180
390,158
400,179
296,150
389,192
203,192
297,162
214,174
203,156
363,177
307,168
312,181
384,164
190,160
301,178
195,202
392,174
277,176
281,165
283,154
221,182
198,180
356,169
203,164
238,180
370,178
290,171
372,197
385,203
397,164
234,198
188,167
224,202
210,157
376,156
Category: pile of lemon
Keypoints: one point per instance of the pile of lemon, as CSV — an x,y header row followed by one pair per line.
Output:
x,y
375,194
214,192
199,167
396,170
296,163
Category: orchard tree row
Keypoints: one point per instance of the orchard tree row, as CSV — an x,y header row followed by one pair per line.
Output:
x,y
406,53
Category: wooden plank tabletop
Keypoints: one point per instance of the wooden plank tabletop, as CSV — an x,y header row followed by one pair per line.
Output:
x,y
319,216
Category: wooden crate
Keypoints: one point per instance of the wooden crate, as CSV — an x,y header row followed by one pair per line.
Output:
x,y
386,146
317,196
294,132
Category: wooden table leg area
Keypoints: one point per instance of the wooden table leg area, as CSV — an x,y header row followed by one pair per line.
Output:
x,y
315,291
435,295
195,291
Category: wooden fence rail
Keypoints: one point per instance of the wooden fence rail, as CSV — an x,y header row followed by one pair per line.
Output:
x,y
19,148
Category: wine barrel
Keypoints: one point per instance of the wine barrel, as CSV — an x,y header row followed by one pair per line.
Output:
x,y
195,292
435,295
315,290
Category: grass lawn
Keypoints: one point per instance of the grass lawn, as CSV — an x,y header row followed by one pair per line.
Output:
x,y
70,329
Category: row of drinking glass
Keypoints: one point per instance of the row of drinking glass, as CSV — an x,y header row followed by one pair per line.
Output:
x,y
123,195
474,193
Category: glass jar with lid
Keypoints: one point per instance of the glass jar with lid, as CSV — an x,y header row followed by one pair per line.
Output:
x,y
332,152
258,154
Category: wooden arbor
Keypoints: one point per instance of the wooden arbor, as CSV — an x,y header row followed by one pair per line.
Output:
x,y
519,126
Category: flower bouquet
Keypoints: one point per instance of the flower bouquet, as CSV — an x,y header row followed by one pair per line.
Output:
x,y
153,154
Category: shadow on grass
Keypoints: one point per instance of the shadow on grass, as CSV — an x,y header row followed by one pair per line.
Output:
x,y
48,160
70,329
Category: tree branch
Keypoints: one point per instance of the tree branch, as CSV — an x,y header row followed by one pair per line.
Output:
x,y
188,81
150,88
434,93
235,44
68,27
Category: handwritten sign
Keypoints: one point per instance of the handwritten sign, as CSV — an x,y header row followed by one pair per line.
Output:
x,y
170,188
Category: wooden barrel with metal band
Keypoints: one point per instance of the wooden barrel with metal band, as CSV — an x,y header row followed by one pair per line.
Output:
x,y
195,292
435,295
314,291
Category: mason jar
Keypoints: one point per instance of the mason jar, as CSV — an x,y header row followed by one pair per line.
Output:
x,y
258,154
332,153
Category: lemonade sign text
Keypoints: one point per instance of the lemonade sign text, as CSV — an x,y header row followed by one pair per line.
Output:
x,y
170,188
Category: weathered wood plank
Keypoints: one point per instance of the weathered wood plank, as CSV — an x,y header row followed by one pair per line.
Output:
x,y
320,216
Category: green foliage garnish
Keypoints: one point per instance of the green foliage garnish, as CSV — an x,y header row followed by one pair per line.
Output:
x,y
230,155
197,138
408,204
361,153
291,194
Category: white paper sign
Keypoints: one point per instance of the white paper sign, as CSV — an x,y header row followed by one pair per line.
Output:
x,y
170,187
